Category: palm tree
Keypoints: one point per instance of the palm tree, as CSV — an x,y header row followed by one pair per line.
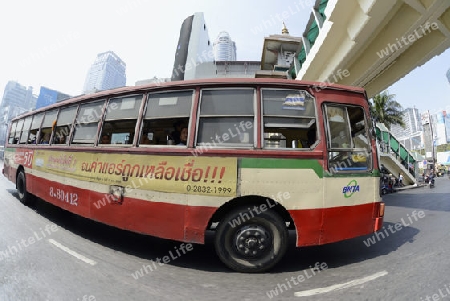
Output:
x,y
385,109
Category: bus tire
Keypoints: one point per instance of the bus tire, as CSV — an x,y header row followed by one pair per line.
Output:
x,y
25,197
251,245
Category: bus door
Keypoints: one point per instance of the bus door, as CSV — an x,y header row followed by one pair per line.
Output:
x,y
350,181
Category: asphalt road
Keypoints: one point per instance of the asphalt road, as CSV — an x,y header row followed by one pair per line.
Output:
x,y
49,254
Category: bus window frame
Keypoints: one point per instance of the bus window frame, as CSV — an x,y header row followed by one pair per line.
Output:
x,y
12,131
70,125
252,145
351,149
17,140
36,137
99,122
27,131
314,120
144,112
41,134
136,126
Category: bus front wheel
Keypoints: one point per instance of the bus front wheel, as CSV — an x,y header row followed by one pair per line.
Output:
x,y
21,184
251,243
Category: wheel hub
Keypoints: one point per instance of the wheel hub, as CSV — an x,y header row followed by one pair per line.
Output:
x,y
252,241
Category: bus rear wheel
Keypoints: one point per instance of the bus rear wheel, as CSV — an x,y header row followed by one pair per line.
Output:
x,y
251,244
25,197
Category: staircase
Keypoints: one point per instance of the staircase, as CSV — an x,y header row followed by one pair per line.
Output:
x,y
395,157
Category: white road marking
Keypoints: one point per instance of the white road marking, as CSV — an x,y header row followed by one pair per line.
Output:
x,y
71,252
340,286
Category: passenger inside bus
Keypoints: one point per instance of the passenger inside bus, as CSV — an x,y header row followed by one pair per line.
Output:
x,y
145,139
289,138
60,139
311,138
106,139
45,139
160,131
183,135
175,135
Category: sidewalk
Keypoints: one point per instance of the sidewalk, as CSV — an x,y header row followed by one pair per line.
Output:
x,y
417,185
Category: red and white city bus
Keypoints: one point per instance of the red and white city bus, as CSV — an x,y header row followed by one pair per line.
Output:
x,y
262,156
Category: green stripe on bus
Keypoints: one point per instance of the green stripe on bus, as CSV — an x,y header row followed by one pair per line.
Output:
x,y
373,173
283,164
302,164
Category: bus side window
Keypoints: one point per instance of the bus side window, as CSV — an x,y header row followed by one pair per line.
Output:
x,y
164,111
34,129
12,133
25,130
120,120
289,119
18,131
64,124
87,123
226,118
348,142
48,126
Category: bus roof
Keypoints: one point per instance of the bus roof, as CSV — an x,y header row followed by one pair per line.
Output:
x,y
205,82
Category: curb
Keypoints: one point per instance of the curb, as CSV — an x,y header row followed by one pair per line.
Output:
x,y
411,187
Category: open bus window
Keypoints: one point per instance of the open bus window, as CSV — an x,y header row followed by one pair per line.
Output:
x,y
165,111
25,130
12,133
86,123
35,126
226,118
18,131
348,140
289,119
47,127
119,125
64,124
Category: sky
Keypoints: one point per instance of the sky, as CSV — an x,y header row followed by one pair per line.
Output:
x,y
53,43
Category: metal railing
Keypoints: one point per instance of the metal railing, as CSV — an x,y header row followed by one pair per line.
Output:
x,y
398,152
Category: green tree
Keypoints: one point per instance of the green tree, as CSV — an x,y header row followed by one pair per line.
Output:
x,y
385,109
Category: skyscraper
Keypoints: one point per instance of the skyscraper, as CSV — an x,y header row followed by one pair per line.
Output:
x,y
17,99
411,134
17,96
48,96
440,127
224,48
107,72
193,49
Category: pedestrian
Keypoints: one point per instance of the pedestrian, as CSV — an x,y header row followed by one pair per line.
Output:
x,y
400,180
175,135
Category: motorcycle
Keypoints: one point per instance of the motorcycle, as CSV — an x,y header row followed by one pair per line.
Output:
x,y
384,189
431,181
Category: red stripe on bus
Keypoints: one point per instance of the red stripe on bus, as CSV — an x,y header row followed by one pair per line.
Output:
x,y
322,226
189,223
165,220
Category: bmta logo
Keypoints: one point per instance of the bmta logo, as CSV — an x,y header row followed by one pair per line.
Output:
x,y
350,189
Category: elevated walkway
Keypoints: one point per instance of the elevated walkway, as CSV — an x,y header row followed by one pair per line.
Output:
x,y
395,168
395,157
370,43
